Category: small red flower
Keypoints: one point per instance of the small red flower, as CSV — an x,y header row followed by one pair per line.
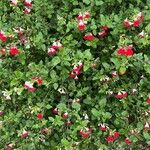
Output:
x,y
10,146
69,123
85,133
52,51
65,115
3,37
105,28
81,25
89,37
136,22
147,127
29,86
102,34
121,95
55,111
56,45
40,116
27,11
14,51
110,139
121,51
76,70
114,74
140,16
24,134
116,135
86,15
80,16
2,51
27,3
72,75
103,127
127,141
45,131
38,80
127,24
148,100
126,51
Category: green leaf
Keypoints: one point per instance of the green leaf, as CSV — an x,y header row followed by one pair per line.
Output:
x,y
95,112
87,54
76,106
55,61
99,2
86,2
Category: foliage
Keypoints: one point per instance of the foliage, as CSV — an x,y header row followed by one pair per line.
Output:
x,y
76,95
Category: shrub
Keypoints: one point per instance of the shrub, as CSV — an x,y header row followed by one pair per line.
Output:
x,y
74,74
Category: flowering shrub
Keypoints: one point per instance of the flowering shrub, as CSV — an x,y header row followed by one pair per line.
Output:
x,y
74,74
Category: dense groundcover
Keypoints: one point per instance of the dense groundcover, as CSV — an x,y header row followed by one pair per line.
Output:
x,y
74,75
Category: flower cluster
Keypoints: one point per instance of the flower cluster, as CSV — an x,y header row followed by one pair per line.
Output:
x,y
82,20
76,71
3,36
85,133
28,6
104,32
52,50
126,51
136,23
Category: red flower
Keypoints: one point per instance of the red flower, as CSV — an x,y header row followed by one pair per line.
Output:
x,y
24,134
110,139
69,123
89,37
3,37
103,127
14,51
136,22
29,86
121,95
102,34
76,71
148,100
45,131
105,28
27,11
127,141
52,51
72,75
80,16
114,74
147,127
116,135
86,15
40,116
81,25
129,51
140,16
2,51
126,51
55,111
121,51
56,45
127,24
85,133
38,80
27,3
65,115
9,146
